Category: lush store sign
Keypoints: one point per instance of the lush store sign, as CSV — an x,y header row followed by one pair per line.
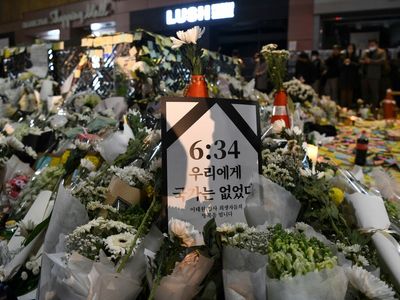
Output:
x,y
193,14
56,16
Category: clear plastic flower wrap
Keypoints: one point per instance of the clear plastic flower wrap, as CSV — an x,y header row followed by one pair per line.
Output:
x,y
328,284
271,204
184,282
244,274
77,277
115,144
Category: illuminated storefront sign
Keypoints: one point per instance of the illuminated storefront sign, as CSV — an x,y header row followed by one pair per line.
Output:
x,y
92,11
192,14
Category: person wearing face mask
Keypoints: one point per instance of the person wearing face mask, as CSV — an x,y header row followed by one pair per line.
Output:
x,y
260,73
333,64
372,61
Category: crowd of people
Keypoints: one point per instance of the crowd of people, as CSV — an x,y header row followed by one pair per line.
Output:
x,y
346,75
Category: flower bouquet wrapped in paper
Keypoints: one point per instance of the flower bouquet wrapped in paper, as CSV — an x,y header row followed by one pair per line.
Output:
x,y
270,204
178,268
298,267
244,274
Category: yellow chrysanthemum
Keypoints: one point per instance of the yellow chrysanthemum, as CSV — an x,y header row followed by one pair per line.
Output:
x,y
336,195
149,190
93,159
65,156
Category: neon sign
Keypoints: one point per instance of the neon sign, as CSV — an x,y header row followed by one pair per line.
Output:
x,y
192,14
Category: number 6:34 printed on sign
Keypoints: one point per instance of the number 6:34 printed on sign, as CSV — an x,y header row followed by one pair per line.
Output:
x,y
196,151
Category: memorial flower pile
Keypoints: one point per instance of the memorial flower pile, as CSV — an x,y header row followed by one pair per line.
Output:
x,y
90,198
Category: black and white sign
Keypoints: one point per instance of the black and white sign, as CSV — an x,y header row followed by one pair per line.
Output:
x,y
210,153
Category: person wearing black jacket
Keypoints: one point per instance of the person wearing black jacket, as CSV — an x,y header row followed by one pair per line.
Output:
x,y
348,78
304,68
333,64
318,69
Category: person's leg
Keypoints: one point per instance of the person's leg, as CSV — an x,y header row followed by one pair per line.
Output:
x,y
342,97
315,86
350,99
335,89
367,92
364,90
374,87
327,88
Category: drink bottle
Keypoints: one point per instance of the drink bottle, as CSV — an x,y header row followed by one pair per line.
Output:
x,y
361,149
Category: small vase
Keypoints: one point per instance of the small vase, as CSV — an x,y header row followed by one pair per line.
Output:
x,y
197,87
280,110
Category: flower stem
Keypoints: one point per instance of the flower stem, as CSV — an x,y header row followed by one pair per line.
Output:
x,y
156,283
141,229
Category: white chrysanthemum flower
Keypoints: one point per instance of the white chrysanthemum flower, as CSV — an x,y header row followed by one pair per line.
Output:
x,y
278,126
133,175
368,284
226,228
93,205
269,47
301,226
29,265
24,275
84,146
190,36
26,227
87,164
118,244
32,153
363,260
14,143
36,270
182,230
297,130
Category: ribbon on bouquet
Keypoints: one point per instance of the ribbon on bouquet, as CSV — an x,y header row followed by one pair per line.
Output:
x,y
372,218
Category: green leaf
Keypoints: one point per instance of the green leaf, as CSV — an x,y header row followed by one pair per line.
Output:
x,y
37,230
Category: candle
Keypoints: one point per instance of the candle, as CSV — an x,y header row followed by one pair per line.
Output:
x,y
312,153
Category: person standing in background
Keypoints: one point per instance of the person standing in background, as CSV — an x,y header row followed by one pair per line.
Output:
x,y
318,68
333,64
348,78
395,75
239,61
372,62
386,82
304,68
260,73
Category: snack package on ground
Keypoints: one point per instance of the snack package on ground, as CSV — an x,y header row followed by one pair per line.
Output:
x,y
184,282
244,274
270,204
328,284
